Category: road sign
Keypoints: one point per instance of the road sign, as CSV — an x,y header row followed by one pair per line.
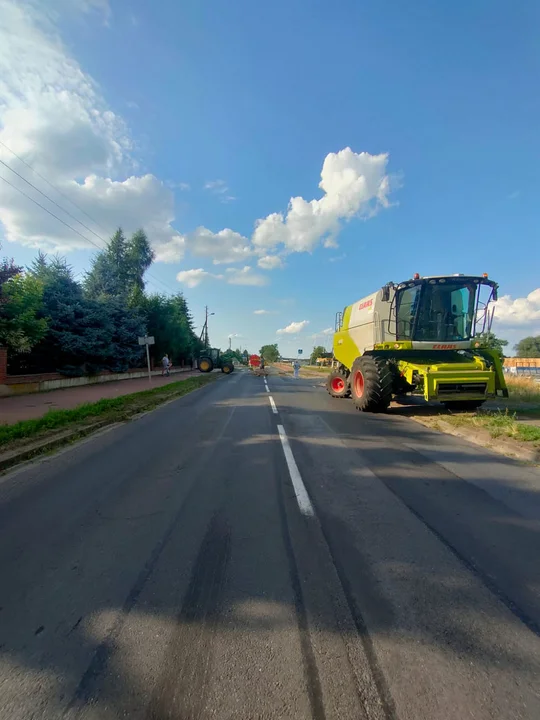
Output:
x,y
148,340
300,351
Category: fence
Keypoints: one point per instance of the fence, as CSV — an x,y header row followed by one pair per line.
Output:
x,y
525,367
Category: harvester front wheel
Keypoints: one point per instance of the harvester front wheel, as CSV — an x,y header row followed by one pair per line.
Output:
x,y
371,384
338,384
227,368
465,405
205,364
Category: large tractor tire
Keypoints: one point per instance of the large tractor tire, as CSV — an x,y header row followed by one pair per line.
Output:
x,y
371,384
337,384
227,368
463,405
205,364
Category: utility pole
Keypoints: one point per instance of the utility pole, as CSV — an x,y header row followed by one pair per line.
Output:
x,y
204,333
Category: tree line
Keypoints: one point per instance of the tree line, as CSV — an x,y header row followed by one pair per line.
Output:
x,y
51,322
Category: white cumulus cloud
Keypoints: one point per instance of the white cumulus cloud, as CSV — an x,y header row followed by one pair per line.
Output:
x,y
225,246
353,185
262,312
521,311
192,278
233,276
53,116
294,328
270,262
245,276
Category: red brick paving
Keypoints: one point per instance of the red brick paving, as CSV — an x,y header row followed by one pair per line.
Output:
x,y
35,405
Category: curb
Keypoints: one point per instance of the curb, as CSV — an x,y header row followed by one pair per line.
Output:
x,y
503,446
15,457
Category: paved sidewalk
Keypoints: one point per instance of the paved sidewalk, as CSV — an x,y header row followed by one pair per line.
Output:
x,y
25,407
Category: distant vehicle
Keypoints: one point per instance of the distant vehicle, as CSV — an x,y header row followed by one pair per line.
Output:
x,y
419,336
212,358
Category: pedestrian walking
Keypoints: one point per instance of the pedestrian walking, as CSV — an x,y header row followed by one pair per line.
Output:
x,y
165,365
296,367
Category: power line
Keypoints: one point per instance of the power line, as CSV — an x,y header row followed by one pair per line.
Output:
x,y
52,185
156,280
50,213
53,201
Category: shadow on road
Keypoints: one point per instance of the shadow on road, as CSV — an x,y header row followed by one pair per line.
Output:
x,y
199,539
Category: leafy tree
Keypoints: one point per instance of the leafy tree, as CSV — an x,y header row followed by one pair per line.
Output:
x,y
84,335
529,347
318,351
270,353
8,269
492,341
118,271
20,325
170,322
241,355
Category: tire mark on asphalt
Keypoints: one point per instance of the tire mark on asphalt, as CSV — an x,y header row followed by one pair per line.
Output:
x,y
86,687
311,671
379,678
98,663
181,691
382,687
484,578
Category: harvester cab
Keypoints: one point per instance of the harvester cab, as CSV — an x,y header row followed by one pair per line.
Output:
x,y
422,336
212,358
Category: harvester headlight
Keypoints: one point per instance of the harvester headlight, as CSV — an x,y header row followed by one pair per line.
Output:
x,y
476,344
397,346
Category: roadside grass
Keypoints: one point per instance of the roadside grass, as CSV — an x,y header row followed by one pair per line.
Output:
x,y
108,409
498,424
523,389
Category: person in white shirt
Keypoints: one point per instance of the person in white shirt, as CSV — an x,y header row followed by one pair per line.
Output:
x,y
166,363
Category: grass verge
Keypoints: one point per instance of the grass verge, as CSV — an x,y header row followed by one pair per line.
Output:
x,y
498,424
109,409
523,389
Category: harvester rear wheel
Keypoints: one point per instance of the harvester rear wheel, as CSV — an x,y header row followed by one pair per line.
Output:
x,y
464,405
337,384
205,364
371,384
227,368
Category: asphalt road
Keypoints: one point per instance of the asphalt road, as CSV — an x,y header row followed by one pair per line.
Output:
x,y
221,558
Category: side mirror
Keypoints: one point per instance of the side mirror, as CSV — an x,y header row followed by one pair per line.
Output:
x,y
386,293
495,294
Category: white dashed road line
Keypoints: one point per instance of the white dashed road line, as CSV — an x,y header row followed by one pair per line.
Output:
x,y
302,497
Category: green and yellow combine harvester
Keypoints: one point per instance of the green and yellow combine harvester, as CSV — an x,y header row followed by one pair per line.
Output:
x,y
423,336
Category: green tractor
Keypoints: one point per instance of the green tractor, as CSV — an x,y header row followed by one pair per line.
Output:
x,y
212,358
422,336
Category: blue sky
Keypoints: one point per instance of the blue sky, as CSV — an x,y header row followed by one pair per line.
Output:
x,y
221,112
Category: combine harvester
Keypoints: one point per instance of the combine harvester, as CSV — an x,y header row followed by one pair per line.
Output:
x,y
422,336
